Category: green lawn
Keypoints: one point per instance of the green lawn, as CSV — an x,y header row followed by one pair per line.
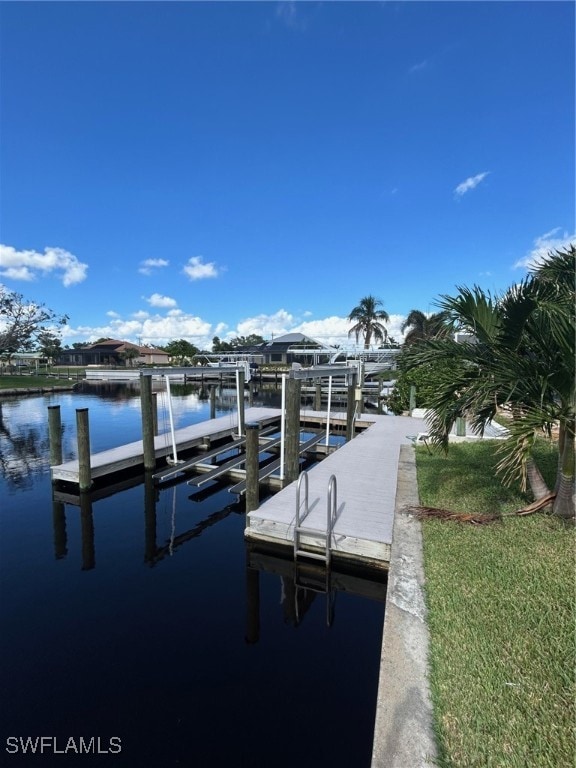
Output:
x,y
501,617
29,381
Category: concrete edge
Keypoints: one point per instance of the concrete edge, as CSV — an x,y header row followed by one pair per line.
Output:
x,y
403,733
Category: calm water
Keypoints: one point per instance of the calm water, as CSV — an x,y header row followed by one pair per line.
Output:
x,y
136,617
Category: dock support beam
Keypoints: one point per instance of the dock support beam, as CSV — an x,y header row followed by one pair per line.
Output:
x,y
55,435
146,407
83,438
292,438
252,467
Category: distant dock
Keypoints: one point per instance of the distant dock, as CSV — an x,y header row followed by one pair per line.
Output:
x,y
131,455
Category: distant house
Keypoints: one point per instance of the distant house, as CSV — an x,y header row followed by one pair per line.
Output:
x,y
296,348
113,352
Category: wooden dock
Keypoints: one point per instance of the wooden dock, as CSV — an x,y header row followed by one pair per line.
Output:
x,y
366,470
131,456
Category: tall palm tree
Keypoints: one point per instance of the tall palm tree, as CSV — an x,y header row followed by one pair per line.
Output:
x,y
369,321
424,326
521,355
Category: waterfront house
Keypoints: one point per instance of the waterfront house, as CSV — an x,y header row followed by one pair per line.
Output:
x,y
113,352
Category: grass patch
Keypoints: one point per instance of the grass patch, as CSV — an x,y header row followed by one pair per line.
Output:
x,y
31,381
501,618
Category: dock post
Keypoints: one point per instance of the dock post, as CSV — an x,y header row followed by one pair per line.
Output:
x,y
147,422
252,467
55,435
87,528
83,438
292,439
318,396
213,401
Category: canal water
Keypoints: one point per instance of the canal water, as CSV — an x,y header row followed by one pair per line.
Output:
x,y
134,634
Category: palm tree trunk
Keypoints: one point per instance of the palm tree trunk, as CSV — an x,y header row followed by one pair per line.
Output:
x,y
564,504
561,443
535,480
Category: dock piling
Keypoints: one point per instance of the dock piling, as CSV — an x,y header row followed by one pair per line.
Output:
x,y
292,437
252,467
147,413
55,434
83,438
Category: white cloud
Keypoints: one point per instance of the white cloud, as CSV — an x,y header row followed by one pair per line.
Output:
x,y
155,329
549,241
28,265
148,265
417,67
470,183
287,12
140,315
157,300
334,330
265,325
111,313
196,269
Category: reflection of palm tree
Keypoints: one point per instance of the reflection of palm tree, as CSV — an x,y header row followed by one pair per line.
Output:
x,y
369,321
425,326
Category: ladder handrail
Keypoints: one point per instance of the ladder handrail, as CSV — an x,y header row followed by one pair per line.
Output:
x,y
302,479
331,506
331,510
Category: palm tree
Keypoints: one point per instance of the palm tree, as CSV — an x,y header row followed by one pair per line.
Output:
x,y
369,321
522,356
424,326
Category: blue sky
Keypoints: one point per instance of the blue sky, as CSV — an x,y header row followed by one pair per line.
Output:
x,y
191,169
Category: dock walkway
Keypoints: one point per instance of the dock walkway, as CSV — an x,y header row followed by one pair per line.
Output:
x,y
131,455
366,474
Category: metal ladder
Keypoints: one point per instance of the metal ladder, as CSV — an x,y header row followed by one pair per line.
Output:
x,y
299,529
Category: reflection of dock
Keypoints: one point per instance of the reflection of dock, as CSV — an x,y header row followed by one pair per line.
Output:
x,y
301,584
366,470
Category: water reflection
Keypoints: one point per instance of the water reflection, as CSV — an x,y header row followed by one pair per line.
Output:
x,y
23,450
132,574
